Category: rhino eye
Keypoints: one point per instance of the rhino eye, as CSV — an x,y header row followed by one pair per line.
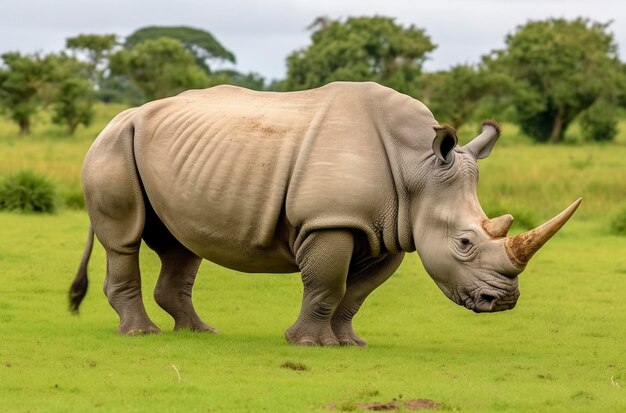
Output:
x,y
463,248
466,244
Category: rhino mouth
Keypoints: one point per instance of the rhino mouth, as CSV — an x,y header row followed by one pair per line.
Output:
x,y
499,294
487,300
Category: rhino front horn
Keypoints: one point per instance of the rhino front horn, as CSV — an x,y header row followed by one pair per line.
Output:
x,y
522,247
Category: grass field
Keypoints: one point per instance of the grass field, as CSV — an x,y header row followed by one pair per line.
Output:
x,y
562,349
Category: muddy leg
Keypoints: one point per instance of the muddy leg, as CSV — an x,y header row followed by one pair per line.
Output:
x,y
360,284
323,258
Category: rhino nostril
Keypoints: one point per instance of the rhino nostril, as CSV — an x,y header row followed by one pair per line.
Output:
x,y
488,298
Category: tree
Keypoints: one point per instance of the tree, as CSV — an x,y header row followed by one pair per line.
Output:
x,y
455,95
71,91
360,48
21,80
199,42
159,68
97,49
560,68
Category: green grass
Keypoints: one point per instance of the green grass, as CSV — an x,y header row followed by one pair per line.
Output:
x,y
560,350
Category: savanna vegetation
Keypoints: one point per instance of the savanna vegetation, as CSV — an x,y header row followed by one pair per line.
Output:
x,y
561,349
550,73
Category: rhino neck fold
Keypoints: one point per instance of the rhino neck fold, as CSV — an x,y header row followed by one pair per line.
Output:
x,y
405,128
400,238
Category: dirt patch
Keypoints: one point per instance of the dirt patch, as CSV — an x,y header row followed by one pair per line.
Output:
x,y
415,404
294,366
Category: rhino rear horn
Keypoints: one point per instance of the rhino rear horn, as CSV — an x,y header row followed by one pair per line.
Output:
x,y
498,227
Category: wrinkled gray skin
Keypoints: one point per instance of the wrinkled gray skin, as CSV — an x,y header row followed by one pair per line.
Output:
x,y
337,182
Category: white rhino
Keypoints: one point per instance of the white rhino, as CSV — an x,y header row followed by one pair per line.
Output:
x,y
336,182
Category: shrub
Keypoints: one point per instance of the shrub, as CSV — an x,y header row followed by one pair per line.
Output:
x,y
28,192
618,224
599,122
74,200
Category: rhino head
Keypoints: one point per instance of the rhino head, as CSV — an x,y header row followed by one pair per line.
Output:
x,y
466,253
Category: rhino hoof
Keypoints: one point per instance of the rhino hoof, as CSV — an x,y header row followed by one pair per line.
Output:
x,y
138,331
196,327
353,342
305,342
309,340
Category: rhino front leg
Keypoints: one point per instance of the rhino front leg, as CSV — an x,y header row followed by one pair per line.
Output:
x,y
365,279
324,259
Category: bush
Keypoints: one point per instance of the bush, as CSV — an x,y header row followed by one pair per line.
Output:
x,y
27,192
599,122
74,200
618,224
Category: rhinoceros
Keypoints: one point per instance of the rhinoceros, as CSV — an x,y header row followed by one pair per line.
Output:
x,y
337,182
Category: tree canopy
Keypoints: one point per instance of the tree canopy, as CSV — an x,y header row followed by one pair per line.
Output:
x,y
70,91
358,49
454,95
21,81
199,42
159,68
560,68
97,48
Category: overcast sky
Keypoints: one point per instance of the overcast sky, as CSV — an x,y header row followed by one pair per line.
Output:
x,y
261,33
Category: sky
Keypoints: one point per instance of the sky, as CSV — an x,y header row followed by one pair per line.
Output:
x,y
261,33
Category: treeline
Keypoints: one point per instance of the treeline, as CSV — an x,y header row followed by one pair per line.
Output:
x,y
549,73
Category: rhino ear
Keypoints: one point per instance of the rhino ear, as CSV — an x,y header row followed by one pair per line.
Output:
x,y
444,142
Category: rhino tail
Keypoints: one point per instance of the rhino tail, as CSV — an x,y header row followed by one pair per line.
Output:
x,y
78,290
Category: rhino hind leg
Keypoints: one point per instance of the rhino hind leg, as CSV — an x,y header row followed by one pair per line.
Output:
x,y
324,259
362,280
179,267
174,287
116,209
122,286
